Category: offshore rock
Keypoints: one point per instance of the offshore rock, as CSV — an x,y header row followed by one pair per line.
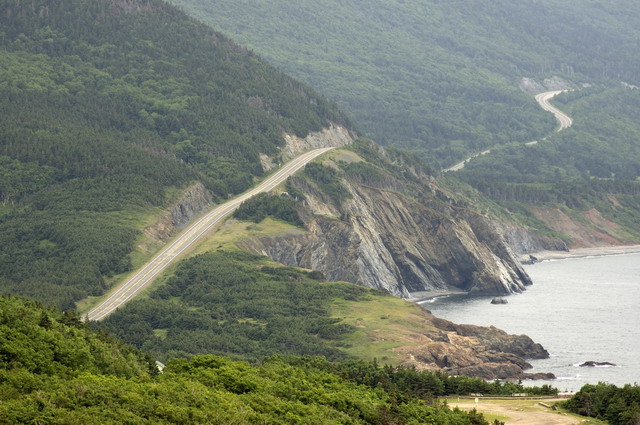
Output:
x,y
591,363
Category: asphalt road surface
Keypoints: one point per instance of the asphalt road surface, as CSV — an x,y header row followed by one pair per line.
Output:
x,y
564,119
189,236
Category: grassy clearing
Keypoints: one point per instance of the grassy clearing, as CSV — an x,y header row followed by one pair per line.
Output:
x,y
234,231
521,410
344,155
383,323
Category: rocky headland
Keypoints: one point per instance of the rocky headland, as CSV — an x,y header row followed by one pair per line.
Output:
x,y
485,352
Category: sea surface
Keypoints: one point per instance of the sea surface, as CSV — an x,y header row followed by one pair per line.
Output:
x,y
580,309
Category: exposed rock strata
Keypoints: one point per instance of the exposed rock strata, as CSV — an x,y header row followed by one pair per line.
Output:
x,y
192,202
589,229
522,242
334,136
383,239
531,86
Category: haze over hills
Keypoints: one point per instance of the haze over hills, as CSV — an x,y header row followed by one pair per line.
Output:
x,y
126,119
437,77
117,112
452,79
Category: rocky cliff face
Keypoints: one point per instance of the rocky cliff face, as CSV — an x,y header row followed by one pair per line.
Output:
x,y
191,202
333,136
397,235
521,241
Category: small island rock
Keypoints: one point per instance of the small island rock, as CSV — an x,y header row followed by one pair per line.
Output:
x,y
596,364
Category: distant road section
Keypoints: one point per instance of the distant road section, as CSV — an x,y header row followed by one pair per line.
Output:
x,y
460,165
189,236
543,99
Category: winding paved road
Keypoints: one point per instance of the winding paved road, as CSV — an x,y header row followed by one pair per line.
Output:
x,y
564,119
189,236
543,99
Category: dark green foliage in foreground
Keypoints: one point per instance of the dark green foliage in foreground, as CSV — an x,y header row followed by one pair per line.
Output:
x,y
282,207
36,343
234,304
407,383
617,406
54,370
105,107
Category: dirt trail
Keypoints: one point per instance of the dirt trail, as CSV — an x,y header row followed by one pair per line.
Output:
x,y
521,412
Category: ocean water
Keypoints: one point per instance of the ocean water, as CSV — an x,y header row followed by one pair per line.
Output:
x,y
582,309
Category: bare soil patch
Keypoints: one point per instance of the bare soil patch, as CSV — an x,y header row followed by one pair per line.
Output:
x,y
521,412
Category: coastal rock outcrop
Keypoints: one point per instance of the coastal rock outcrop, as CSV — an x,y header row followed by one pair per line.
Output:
x,y
484,352
496,339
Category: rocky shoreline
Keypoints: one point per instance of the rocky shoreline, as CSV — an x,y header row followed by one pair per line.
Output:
x,y
484,352
579,253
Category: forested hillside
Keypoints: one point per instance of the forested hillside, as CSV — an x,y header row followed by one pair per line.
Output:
x,y
438,77
587,173
108,109
53,369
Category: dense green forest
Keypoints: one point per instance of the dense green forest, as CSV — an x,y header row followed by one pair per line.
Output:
x,y
617,406
235,303
54,370
264,205
438,77
107,108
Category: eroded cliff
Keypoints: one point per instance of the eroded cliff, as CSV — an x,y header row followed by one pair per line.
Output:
x,y
402,234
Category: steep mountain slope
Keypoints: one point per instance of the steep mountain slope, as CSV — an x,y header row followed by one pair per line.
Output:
x,y
380,219
111,110
438,77
580,185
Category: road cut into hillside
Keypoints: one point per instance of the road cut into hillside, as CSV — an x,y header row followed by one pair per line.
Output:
x,y
189,236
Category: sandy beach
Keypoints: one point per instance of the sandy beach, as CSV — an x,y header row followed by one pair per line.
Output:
x,y
583,252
